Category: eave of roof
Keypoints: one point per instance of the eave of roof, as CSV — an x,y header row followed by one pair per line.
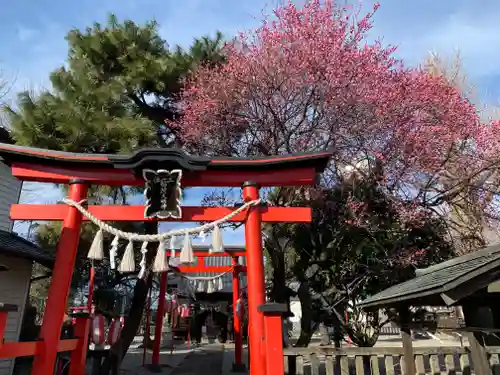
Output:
x,y
13,245
439,279
155,156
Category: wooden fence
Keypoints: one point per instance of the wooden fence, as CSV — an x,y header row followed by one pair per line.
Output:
x,y
383,361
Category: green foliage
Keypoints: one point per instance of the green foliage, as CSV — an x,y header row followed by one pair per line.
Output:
x,y
120,84
357,244
47,236
338,246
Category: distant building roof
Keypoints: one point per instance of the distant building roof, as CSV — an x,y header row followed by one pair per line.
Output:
x,y
13,245
5,136
443,283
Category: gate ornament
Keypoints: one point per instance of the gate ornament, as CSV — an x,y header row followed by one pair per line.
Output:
x,y
127,264
163,193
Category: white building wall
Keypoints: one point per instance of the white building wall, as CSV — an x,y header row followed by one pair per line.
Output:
x,y
14,284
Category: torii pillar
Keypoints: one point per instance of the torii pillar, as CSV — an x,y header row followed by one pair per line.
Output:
x,y
255,278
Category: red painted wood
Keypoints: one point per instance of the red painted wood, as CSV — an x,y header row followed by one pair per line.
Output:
x,y
212,269
79,355
199,254
90,297
255,280
62,273
274,343
3,324
238,341
118,177
67,345
155,358
21,349
57,212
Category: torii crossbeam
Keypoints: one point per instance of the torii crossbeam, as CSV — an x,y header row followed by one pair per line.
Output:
x,y
81,170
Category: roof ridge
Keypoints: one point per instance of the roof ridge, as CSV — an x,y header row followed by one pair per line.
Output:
x,y
458,260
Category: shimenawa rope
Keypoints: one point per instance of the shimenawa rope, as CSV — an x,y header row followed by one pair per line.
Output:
x,y
160,236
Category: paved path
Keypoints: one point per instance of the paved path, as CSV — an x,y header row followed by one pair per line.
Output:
x,y
206,360
132,363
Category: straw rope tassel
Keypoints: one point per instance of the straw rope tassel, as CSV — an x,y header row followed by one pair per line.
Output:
x,y
112,252
210,287
142,264
187,255
128,262
160,264
217,242
96,251
172,247
200,288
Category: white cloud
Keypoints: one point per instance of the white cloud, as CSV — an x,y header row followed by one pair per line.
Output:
x,y
25,33
478,43
444,27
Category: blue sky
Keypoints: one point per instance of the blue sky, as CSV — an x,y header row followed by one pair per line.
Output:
x,y
33,41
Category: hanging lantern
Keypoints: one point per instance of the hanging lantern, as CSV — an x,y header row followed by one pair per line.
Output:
x,y
98,334
114,331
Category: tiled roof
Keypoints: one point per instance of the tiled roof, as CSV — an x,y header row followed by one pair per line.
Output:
x,y
439,278
14,246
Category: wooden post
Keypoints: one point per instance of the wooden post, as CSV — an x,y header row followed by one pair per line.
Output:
x,y
155,359
238,365
79,355
147,332
273,326
4,310
255,277
479,356
409,357
53,317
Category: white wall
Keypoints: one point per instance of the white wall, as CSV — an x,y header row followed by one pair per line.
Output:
x,y
14,284
10,188
14,288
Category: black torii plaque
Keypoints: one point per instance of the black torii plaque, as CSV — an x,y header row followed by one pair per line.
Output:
x,y
163,193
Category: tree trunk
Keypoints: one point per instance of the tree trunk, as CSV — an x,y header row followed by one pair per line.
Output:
x,y
134,318
307,326
279,292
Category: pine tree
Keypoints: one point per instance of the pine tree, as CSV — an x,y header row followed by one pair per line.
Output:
x,y
121,82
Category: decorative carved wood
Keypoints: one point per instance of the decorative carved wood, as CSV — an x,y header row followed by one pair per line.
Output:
x,y
163,193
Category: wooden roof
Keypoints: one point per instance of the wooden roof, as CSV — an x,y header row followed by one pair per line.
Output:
x,y
14,246
161,158
445,283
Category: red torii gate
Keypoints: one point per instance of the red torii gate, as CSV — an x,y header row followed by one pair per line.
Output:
x,y
230,251
81,170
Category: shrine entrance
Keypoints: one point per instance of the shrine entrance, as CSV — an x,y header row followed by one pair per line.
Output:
x,y
163,172
206,285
